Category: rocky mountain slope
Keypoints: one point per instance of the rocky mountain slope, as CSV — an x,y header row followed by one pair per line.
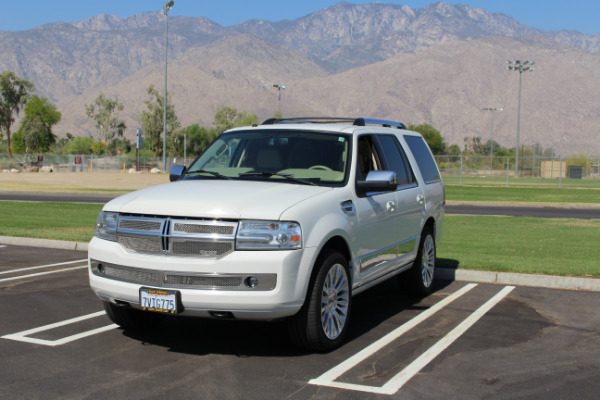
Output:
x,y
440,64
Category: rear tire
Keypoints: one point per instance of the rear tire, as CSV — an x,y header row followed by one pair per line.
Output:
x,y
322,322
130,318
419,279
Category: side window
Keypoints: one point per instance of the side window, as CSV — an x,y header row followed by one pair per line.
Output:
x,y
395,159
425,160
367,157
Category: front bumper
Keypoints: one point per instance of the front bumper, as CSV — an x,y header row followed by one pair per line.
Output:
x,y
206,285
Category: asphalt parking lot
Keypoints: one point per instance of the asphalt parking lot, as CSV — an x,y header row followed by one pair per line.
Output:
x,y
467,341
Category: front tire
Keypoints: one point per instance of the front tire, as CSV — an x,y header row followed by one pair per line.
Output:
x,y
130,318
322,322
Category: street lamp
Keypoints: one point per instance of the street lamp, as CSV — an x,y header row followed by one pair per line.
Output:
x,y
279,87
519,65
165,11
492,109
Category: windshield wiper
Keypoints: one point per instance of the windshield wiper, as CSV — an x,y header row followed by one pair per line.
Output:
x,y
289,177
213,173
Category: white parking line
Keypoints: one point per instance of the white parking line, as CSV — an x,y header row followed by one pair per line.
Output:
x,y
394,384
14,278
24,335
331,375
41,266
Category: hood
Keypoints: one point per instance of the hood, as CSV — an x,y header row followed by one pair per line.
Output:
x,y
208,198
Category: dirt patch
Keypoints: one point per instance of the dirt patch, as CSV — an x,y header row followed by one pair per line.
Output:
x,y
79,181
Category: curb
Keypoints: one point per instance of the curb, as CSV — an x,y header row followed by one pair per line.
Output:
x,y
447,274
511,278
568,206
44,243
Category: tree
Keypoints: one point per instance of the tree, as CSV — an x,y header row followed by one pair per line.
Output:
x,y
228,117
432,136
120,146
59,147
152,120
99,148
36,126
79,145
453,150
14,93
17,145
197,138
474,146
105,111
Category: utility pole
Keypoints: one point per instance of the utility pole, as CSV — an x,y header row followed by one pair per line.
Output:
x,y
279,87
165,11
521,66
494,109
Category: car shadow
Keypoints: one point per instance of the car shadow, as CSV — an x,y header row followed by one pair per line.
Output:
x,y
197,336
447,263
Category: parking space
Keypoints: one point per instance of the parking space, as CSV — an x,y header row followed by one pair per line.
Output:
x,y
464,341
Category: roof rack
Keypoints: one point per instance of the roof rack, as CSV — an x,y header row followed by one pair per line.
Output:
x,y
335,120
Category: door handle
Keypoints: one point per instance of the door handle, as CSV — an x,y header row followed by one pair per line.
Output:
x,y
348,207
420,199
391,206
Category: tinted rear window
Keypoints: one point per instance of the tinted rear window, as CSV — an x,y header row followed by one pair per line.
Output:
x,y
395,159
425,160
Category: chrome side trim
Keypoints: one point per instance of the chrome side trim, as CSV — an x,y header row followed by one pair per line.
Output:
x,y
386,254
358,289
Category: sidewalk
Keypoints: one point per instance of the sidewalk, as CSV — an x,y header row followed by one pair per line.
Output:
x,y
448,274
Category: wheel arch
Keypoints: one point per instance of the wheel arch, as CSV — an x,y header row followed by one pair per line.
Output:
x,y
431,224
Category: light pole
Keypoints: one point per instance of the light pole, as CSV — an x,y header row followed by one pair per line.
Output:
x,y
492,109
279,87
519,65
165,11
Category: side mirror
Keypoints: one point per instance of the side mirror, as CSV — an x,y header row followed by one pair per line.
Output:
x,y
177,171
378,181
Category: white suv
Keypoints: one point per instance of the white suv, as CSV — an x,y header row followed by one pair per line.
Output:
x,y
288,219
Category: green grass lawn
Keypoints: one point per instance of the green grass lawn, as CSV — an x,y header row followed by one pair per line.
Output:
x,y
62,221
512,194
515,244
490,180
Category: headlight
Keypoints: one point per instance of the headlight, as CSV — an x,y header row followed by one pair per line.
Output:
x,y
106,226
264,235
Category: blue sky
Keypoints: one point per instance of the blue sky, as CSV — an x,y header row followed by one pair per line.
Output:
x,y
580,15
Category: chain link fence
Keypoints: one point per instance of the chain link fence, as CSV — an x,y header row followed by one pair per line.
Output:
x,y
84,163
532,171
461,169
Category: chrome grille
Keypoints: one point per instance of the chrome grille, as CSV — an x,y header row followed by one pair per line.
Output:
x,y
140,225
181,280
180,237
149,244
132,275
207,249
205,281
206,229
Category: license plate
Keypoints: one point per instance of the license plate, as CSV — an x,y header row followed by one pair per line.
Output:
x,y
159,300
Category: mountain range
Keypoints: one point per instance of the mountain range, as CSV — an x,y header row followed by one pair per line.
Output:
x,y
440,64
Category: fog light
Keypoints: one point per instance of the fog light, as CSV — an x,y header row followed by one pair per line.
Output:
x,y
251,282
100,269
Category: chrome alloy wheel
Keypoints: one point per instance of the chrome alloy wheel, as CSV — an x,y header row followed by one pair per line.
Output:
x,y
428,261
335,297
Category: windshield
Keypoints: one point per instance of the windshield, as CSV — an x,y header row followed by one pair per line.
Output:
x,y
288,156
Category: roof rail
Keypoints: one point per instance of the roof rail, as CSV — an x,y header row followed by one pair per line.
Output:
x,y
335,120
382,122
